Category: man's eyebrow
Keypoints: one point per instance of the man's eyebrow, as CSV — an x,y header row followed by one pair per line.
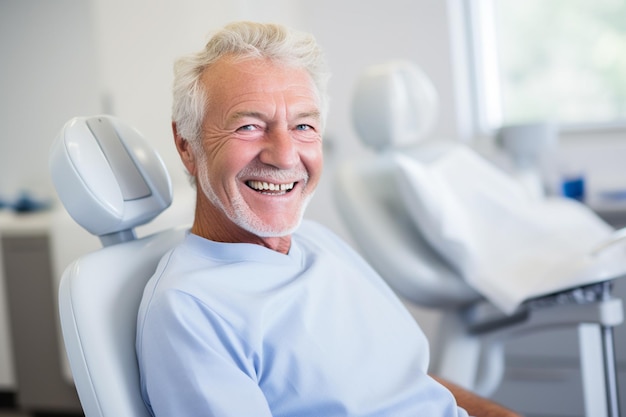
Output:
x,y
246,113
314,114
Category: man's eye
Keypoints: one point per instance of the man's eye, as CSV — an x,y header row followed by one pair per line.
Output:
x,y
304,127
247,128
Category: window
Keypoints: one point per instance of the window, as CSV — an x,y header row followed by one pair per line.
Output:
x,y
559,60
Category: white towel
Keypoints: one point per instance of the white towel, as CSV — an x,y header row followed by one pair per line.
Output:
x,y
507,245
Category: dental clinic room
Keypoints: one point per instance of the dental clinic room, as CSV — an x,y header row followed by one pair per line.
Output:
x,y
473,155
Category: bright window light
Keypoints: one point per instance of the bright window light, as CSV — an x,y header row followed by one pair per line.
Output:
x,y
559,60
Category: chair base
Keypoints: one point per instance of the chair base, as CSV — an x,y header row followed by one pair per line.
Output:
x,y
472,341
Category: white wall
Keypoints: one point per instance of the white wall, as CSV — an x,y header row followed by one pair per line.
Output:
x,y
48,74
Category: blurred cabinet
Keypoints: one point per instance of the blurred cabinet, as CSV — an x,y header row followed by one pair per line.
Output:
x,y
33,314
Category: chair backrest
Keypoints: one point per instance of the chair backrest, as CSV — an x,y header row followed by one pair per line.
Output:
x,y
110,181
394,107
443,224
99,298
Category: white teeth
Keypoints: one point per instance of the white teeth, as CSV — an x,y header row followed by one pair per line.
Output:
x,y
268,186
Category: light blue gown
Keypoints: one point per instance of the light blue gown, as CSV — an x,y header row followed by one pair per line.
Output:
x,y
240,330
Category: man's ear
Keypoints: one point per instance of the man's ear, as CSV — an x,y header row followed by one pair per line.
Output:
x,y
185,151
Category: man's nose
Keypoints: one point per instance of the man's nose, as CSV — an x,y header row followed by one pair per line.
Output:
x,y
280,150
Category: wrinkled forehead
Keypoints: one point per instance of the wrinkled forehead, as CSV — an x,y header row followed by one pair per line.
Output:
x,y
237,66
233,77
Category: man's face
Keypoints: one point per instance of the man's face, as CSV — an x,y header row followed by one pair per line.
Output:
x,y
261,152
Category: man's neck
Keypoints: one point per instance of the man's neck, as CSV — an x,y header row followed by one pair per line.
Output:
x,y
211,223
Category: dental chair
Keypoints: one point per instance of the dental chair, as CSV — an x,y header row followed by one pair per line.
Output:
x,y
388,215
110,181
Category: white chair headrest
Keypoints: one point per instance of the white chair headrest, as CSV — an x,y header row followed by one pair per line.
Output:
x,y
107,176
394,105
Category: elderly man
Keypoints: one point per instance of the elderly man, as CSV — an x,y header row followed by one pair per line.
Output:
x,y
258,313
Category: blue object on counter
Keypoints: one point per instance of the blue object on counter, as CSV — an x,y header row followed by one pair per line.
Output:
x,y
26,203
573,187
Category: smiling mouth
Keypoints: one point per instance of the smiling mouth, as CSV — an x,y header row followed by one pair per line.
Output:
x,y
270,188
